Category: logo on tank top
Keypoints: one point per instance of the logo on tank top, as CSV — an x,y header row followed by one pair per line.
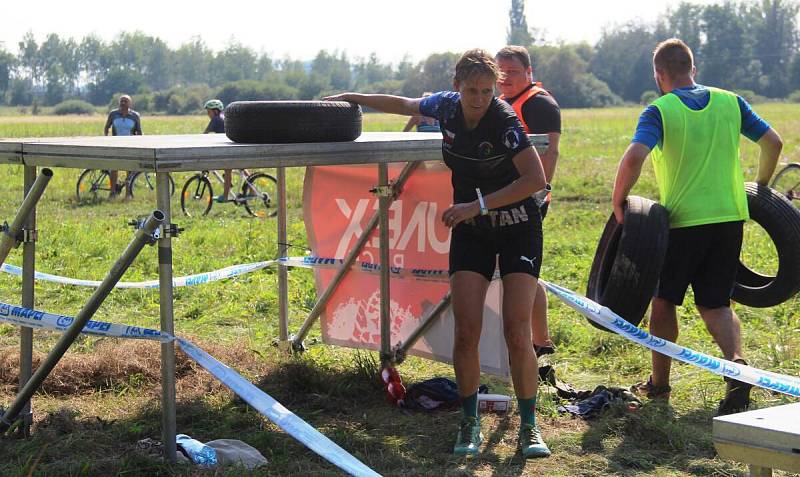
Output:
x,y
485,149
511,138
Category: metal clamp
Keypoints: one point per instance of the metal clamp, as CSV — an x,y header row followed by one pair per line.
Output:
x,y
384,190
169,230
389,358
28,236
23,235
138,224
296,346
398,353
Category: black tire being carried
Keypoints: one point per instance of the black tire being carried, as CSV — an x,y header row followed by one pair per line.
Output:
x,y
292,121
628,260
781,221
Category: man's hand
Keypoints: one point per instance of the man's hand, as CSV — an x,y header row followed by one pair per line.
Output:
x,y
771,146
458,213
630,166
619,213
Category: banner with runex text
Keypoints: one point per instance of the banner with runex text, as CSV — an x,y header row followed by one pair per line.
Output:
x,y
337,206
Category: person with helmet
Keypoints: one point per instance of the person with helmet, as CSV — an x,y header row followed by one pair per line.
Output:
x,y
539,113
214,108
216,124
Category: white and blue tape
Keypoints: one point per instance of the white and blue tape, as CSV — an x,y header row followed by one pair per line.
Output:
x,y
592,310
197,279
261,401
236,270
604,316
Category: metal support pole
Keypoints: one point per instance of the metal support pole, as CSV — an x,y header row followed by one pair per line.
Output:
x,y
10,237
297,342
168,412
140,239
283,278
401,350
383,239
25,333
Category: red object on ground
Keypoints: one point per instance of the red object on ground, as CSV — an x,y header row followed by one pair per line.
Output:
x,y
395,391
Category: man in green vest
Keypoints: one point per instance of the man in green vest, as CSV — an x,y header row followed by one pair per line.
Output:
x,y
693,133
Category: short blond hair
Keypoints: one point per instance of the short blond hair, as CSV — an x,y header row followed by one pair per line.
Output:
x,y
476,62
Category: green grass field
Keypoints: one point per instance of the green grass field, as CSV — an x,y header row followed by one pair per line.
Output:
x,y
104,396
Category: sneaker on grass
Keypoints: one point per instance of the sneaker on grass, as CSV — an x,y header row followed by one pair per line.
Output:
x,y
530,442
737,397
651,391
469,437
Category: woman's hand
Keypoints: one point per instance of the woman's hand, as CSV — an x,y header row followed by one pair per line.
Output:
x,y
458,213
339,97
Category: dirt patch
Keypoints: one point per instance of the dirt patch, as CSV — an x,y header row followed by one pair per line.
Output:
x,y
116,364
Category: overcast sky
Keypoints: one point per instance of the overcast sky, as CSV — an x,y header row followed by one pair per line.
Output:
x,y
300,28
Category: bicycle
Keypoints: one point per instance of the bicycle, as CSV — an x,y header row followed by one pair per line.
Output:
x,y
787,181
94,185
259,194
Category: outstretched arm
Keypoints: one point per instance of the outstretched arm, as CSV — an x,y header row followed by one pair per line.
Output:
x,y
771,146
386,103
630,166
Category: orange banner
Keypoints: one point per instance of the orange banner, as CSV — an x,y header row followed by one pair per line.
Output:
x,y
337,207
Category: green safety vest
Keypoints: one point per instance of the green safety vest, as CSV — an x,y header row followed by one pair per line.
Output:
x,y
697,165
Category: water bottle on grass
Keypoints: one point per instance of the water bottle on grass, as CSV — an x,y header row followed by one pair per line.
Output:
x,y
196,451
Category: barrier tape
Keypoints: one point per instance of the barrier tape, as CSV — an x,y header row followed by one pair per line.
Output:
x,y
592,310
258,399
197,279
426,274
236,270
606,317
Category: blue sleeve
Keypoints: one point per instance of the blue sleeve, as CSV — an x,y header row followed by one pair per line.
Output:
x,y
650,130
753,127
436,104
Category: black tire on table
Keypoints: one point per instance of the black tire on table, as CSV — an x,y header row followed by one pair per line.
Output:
x,y
781,220
143,184
292,121
93,185
260,195
787,182
197,196
628,260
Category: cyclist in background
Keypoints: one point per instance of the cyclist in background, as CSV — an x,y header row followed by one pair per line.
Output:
x,y
122,121
216,124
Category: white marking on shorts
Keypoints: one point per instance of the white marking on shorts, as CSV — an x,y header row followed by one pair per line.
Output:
x,y
526,259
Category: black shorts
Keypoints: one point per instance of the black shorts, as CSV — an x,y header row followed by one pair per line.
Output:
x,y
706,257
515,234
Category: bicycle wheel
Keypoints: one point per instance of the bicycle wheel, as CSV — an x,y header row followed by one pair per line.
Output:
x,y
94,185
260,195
197,196
787,182
142,185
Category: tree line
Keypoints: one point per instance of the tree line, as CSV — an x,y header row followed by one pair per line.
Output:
x,y
750,47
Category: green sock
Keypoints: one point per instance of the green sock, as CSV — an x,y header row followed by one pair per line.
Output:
x,y
469,405
527,410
